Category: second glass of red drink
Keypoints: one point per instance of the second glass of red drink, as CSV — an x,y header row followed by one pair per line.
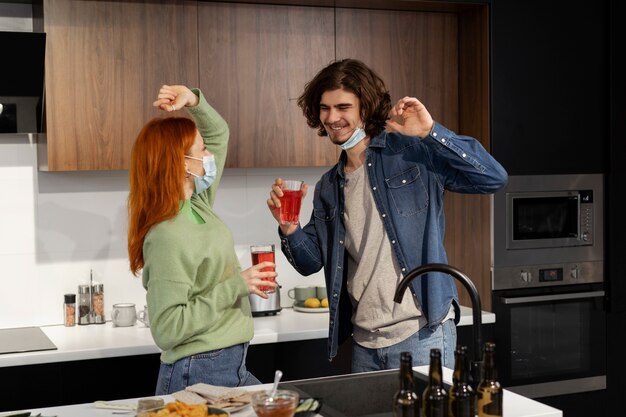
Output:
x,y
262,253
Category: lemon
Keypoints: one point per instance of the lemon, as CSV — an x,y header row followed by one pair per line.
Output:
x,y
312,302
324,303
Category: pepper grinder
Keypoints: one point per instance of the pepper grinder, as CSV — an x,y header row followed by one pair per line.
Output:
x,y
84,304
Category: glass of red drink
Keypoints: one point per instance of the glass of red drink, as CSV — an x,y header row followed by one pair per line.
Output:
x,y
262,253
291,201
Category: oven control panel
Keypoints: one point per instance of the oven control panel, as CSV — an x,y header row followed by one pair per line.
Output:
x,y
547,275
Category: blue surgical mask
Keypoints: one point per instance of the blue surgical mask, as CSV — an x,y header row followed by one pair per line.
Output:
x,y
357,136
203,183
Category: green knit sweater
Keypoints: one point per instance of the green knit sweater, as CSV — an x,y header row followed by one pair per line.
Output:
x,y
196,296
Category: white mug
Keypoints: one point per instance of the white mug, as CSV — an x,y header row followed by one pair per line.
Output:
x,y
142,316
124,315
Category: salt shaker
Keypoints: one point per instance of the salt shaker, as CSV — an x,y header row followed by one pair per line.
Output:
x,y
69,310
84,304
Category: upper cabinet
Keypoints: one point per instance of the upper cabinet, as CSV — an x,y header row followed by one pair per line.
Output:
x,y
254,63
105,61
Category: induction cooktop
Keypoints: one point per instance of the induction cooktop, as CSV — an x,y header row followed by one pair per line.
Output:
x,y
24,339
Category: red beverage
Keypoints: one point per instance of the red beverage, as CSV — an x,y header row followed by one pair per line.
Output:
x,y
290,204
260,254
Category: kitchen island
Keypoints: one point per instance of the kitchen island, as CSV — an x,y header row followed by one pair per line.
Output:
x,y
87,356
514,405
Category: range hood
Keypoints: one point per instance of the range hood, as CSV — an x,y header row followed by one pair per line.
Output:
x,y
21,82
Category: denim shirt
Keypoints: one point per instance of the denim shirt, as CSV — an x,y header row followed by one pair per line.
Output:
x,y
408,177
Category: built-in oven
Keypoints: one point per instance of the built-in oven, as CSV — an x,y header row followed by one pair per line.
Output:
x,y
548,284
551,341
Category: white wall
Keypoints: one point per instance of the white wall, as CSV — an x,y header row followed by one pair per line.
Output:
x,y
57,227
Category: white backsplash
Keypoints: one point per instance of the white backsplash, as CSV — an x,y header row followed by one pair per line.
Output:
x,y
57,227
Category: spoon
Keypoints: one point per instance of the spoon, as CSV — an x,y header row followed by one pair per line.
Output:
x,y
277,376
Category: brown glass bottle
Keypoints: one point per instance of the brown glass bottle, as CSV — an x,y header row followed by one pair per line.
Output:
x,y
489,392
405,400
435,396
462,399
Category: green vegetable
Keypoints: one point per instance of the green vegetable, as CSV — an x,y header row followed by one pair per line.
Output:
x,y
309,404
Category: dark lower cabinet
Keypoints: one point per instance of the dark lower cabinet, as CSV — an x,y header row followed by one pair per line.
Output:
x,y
75,382
583,404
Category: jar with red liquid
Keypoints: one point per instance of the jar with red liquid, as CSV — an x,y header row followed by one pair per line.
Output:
x,y
262,253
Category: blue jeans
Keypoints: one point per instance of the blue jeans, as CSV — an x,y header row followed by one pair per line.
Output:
x,y
224,367
419,344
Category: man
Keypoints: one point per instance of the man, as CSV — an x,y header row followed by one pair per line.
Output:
x,y
378,214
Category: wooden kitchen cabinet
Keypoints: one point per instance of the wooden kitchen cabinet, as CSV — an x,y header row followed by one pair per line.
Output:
x,y
254,63
105,61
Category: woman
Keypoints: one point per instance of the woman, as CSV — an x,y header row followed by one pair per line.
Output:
x,y
196,292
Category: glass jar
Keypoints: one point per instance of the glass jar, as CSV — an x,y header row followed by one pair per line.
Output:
x,y
97,304
84,304
69,310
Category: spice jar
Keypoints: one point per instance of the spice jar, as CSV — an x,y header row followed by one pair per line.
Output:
x,y
97,304
84,304
69,310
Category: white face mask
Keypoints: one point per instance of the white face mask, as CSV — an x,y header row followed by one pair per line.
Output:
x,y
203,183
357,136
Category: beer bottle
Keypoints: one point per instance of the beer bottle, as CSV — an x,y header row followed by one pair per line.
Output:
x,y
435,397
405,400
489,391
462,396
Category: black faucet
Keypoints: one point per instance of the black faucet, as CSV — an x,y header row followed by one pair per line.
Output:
x,y
476,363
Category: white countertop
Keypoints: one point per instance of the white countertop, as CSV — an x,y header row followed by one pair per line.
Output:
x,y
514,405
96,341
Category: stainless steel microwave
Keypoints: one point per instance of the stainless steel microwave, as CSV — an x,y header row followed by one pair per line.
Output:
x,y
548,223
549,218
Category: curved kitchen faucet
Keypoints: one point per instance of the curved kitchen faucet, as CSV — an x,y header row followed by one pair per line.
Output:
x,y
476,363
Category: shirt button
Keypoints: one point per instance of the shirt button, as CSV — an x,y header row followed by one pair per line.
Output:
x,y
341,242
464,155
369,164
403,181
384,215
374,188
403,269
335,295
443,140
393,242
434,134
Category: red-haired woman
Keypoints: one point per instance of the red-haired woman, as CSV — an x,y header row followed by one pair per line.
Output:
x,y
197,294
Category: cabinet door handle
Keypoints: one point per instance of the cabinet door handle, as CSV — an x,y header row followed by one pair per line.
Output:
x,y
553,297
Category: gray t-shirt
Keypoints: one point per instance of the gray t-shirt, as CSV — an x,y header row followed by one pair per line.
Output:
x,y
373,273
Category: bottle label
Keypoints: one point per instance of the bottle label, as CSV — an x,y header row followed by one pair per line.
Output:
x,y
490,403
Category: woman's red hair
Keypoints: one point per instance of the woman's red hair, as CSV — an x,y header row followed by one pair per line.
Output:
x,y
156,176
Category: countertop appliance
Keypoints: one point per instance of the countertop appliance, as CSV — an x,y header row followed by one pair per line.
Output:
x,y
24,339
265,306
548,284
